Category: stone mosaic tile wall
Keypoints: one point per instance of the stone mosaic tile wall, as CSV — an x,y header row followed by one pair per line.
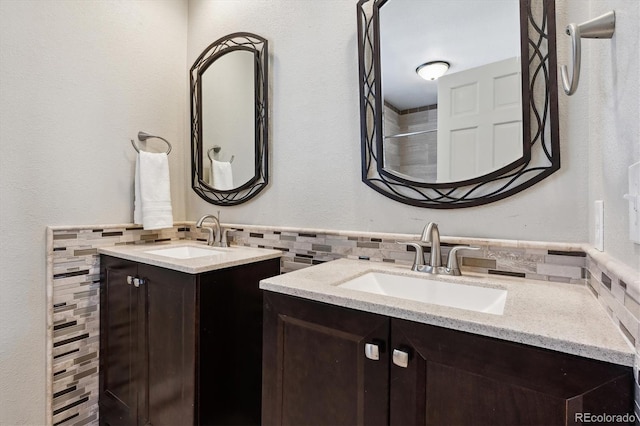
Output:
x,y
621,299
302,249
74,315
73,286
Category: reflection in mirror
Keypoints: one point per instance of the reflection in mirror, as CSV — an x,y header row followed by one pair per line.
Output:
x,y
487,128
468,122
229,119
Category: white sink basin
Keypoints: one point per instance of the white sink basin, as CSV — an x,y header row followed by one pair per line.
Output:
x,y
186,252
473,298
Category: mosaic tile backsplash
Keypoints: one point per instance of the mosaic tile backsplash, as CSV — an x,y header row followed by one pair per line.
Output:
x,y
303,249
74,316
73,286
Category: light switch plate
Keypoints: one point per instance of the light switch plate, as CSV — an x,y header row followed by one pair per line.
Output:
x,y
633,196
598,240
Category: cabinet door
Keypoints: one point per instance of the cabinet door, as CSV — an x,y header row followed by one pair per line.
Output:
x,y
456,378
171,306
315,371
122,344
230,345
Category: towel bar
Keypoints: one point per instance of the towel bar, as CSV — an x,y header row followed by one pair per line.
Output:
x,y
143,136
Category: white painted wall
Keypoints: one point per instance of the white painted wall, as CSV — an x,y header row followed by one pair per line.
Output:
x,y
612,81
315,136
78,79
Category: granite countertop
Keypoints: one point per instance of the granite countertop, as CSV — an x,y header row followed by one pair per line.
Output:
x,y
224,257
557,316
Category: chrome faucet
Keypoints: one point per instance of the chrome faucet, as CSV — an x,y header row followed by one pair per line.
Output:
x,y
431,236
214,239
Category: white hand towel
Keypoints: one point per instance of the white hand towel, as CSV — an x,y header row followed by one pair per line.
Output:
x,y
152,204
222,175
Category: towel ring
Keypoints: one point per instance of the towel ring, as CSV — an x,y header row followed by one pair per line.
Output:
x,y
216,149
601,27
143,136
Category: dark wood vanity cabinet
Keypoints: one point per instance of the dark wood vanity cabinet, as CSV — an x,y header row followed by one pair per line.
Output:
x,y
180,349
462,378
123,345
314,367
316,372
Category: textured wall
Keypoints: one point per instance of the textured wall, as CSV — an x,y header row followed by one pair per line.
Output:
x,y
611,80
315,136
78,79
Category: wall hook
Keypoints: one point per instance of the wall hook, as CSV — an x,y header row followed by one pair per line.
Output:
x,y
601,27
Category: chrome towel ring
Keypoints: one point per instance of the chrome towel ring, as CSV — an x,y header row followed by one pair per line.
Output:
x,y
143,136
216,149
601,27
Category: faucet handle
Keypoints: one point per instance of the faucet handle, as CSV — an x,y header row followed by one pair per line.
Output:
x,y
224,241
210,234
418,261
453,264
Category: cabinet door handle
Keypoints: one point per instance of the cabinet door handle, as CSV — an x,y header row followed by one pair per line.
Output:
x,y
135,281
372,351
400,358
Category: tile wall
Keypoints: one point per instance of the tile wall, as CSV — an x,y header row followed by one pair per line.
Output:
x,y
73,283
73,296
617,287
415,155
561,263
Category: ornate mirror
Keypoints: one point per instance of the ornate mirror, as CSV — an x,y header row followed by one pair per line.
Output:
x,y
483,130
229,120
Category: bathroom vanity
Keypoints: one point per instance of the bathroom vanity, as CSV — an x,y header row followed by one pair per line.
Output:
x,y
343,356
181,332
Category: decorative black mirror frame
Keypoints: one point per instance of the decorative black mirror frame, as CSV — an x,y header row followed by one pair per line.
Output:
x,y
537,18
236,41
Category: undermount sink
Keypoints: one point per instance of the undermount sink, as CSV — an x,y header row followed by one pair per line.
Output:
x,y
186,252
469,297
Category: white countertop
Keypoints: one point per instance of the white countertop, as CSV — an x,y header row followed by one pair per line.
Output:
x,y
556,316
226,256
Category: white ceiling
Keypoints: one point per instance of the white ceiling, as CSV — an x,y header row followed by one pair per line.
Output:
x,y
465,33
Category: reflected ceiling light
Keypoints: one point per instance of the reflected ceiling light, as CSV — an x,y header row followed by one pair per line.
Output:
x,y
432,70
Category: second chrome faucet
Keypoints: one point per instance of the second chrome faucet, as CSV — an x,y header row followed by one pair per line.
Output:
x,y
217,238
431,237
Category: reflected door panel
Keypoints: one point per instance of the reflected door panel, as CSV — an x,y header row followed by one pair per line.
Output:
x,y
479,120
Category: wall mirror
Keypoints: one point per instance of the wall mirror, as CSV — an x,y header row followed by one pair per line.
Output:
x,y
487,128
229,119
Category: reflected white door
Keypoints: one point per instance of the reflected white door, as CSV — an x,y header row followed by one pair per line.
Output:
x,y
479,120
